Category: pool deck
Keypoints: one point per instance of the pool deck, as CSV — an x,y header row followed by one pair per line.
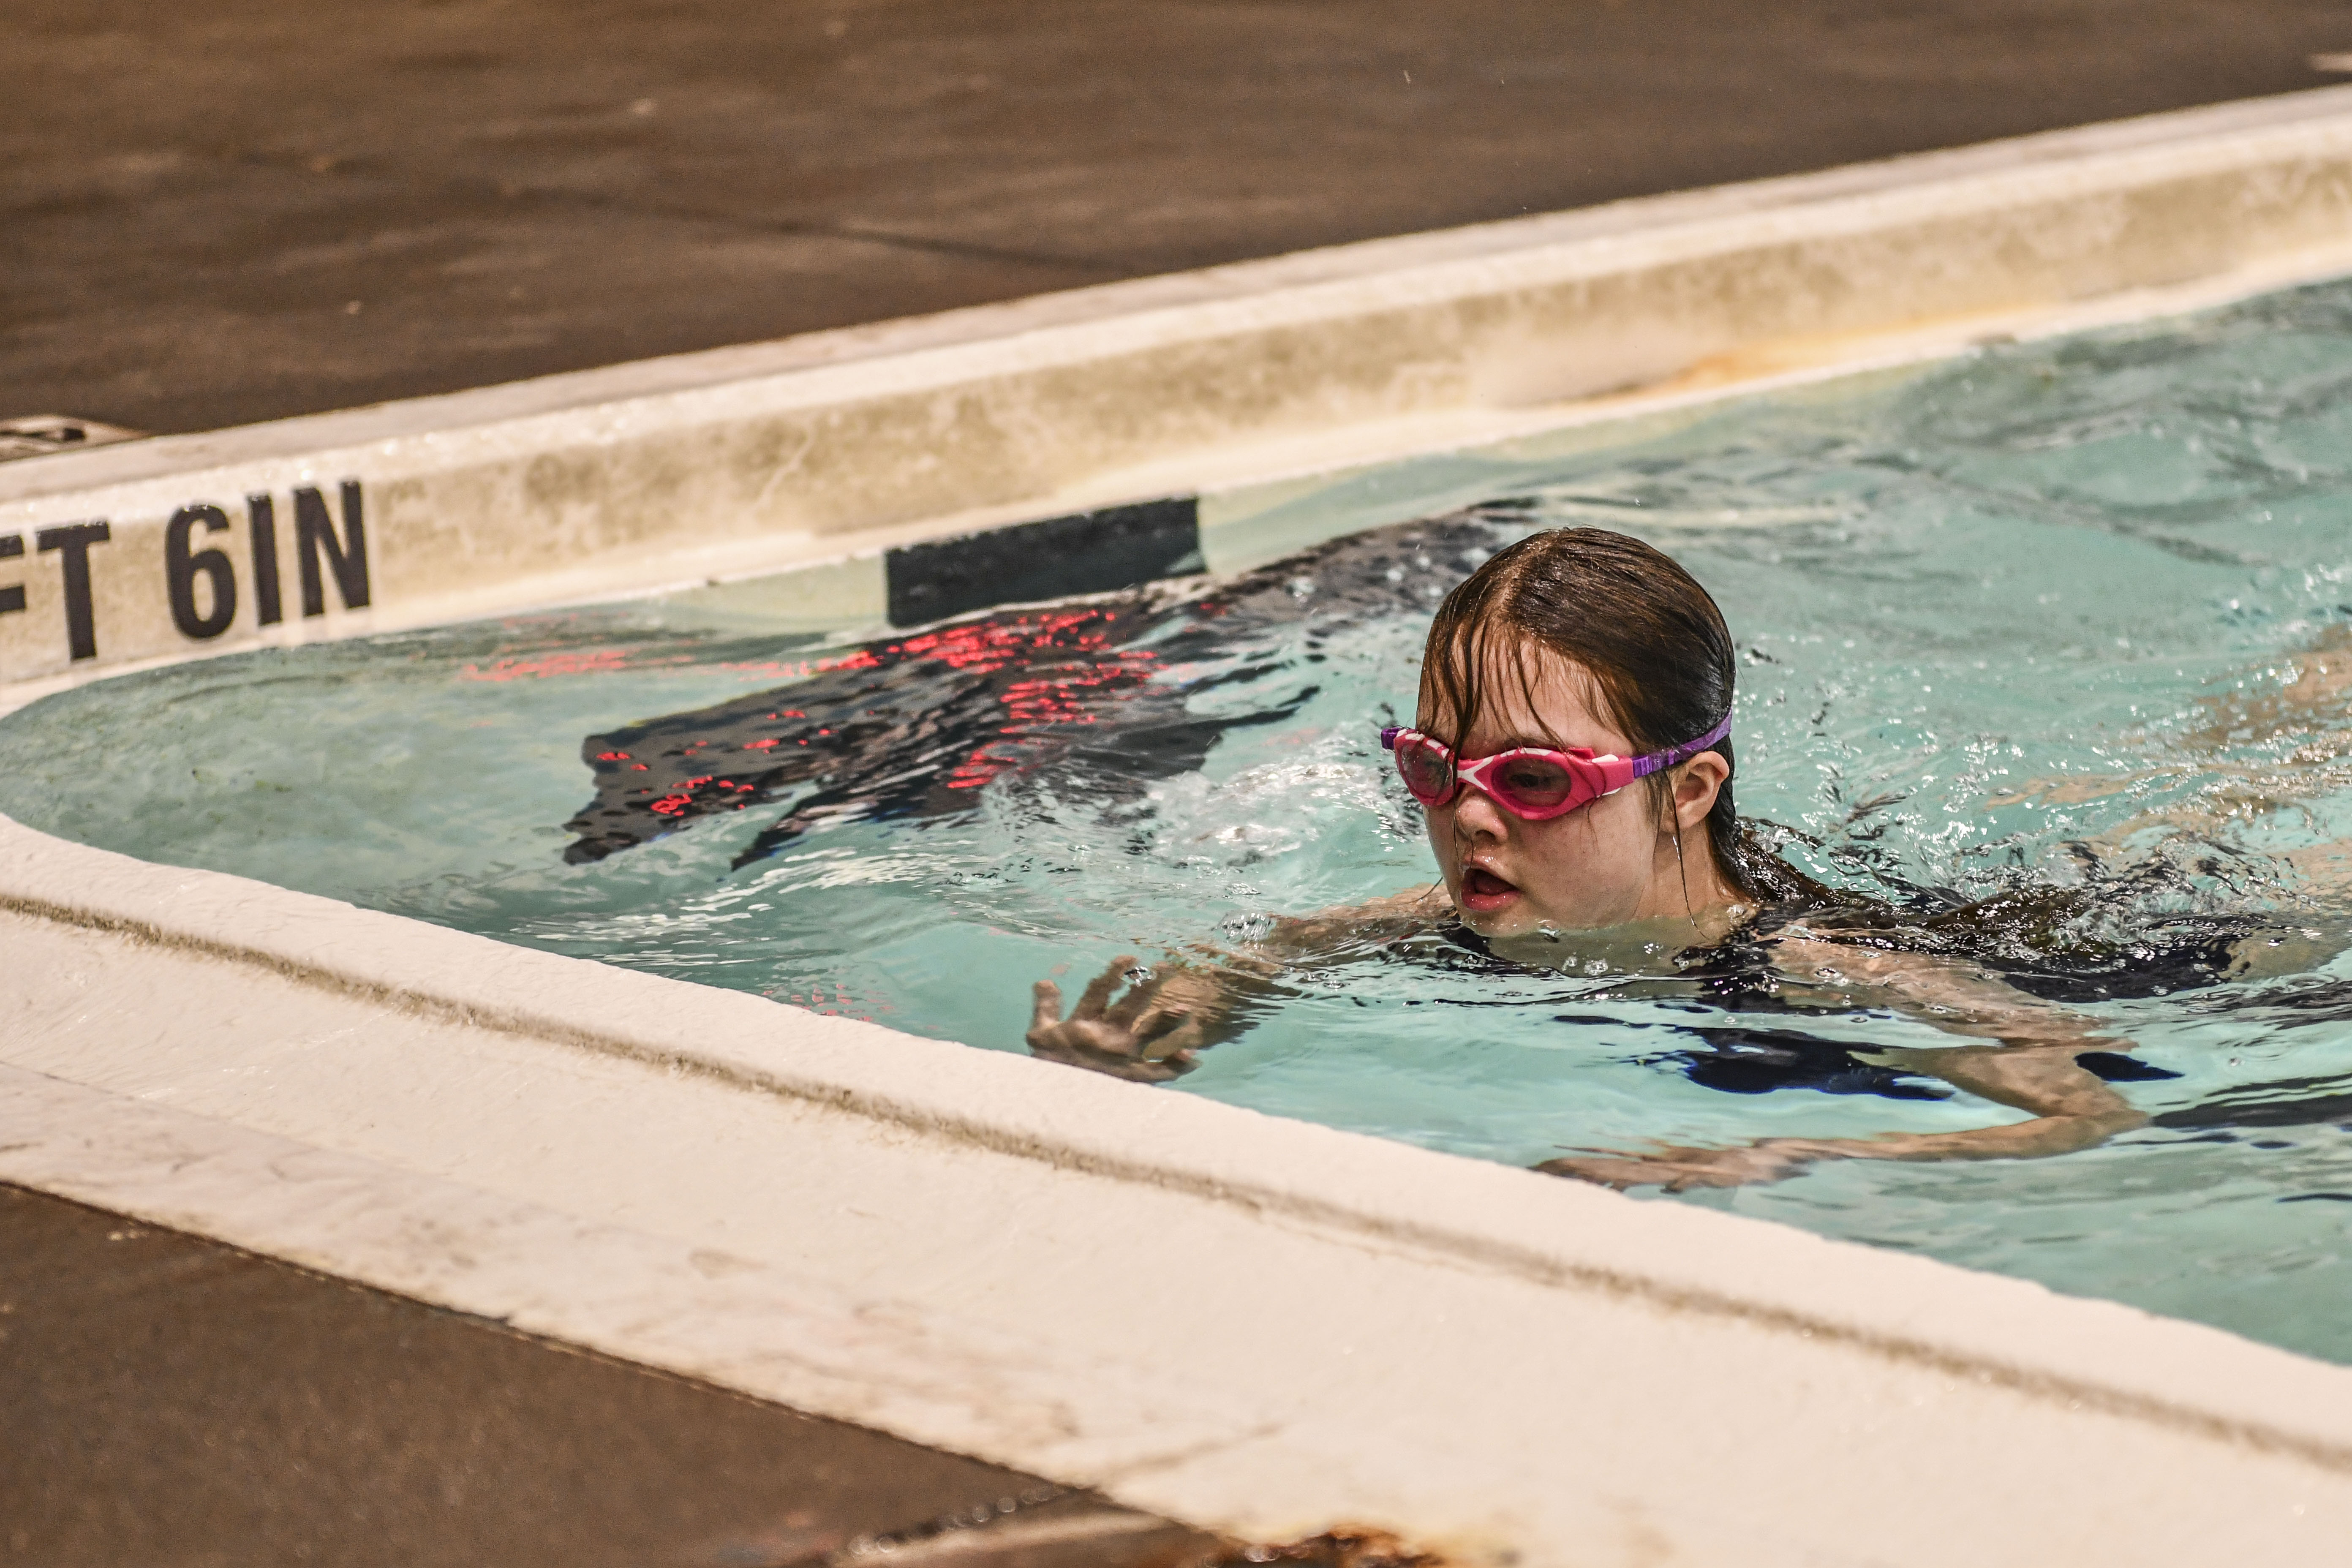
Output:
x,y
229,211
172,1400
529,198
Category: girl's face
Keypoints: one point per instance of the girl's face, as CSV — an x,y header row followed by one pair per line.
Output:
x,y
1612,863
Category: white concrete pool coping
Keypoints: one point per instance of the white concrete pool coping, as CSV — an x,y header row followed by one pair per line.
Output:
x,y
1251,1324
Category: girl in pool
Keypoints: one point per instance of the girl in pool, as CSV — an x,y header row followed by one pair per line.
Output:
x,y
1573,754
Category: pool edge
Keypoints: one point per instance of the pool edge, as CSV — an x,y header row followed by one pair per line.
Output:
x,y
342,1088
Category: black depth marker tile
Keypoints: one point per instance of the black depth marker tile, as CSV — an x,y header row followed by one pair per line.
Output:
x,y
1091,553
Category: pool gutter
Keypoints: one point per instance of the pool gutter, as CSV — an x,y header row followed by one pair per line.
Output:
x,y
1254,1325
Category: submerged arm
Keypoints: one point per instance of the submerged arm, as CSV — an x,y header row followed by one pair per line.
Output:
x,y
1171,1012
2027,1063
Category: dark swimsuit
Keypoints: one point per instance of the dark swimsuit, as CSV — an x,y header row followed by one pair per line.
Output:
x,y
2023,937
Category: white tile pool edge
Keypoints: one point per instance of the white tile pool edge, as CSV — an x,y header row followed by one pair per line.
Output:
x,y
1251,1324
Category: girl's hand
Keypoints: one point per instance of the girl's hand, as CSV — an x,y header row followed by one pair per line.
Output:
x,y
1676,1169
1150,1036
2075,1118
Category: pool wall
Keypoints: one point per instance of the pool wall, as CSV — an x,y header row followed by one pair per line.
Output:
x,y
1253,1324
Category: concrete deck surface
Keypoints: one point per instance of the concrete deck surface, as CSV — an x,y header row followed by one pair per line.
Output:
x,y
174,1403
224,211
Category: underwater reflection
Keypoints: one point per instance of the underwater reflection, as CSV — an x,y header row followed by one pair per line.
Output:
x,y
1093,695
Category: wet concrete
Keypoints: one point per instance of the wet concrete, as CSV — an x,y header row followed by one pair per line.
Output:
x,y
170,1402
219,211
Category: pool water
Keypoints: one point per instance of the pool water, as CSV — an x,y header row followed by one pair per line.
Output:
x,y
2052,615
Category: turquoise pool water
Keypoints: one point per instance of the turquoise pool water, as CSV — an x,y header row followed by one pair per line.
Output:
x,y
2034,617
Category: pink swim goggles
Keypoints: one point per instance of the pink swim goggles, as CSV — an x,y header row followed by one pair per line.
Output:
x,y
1528,782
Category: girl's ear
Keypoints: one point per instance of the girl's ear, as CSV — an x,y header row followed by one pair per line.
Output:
x,y
1696,783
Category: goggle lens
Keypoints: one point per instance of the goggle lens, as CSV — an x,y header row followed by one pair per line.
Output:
x,y
1531,783
1427,772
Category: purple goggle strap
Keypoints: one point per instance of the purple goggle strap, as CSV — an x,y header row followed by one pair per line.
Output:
x,y
1658,760
1642,766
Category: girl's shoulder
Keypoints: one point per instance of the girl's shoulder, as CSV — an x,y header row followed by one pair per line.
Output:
x,y
1346,926
2060,943
1429,900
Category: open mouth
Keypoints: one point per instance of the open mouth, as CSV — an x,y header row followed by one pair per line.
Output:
x,y
1483,892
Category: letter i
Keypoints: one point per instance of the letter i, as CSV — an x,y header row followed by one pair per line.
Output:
x,y
261,513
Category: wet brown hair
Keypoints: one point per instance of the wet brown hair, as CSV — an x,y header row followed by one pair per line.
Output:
x,y
1649,637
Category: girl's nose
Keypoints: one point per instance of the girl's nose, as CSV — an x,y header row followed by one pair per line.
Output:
x,y
1476,816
